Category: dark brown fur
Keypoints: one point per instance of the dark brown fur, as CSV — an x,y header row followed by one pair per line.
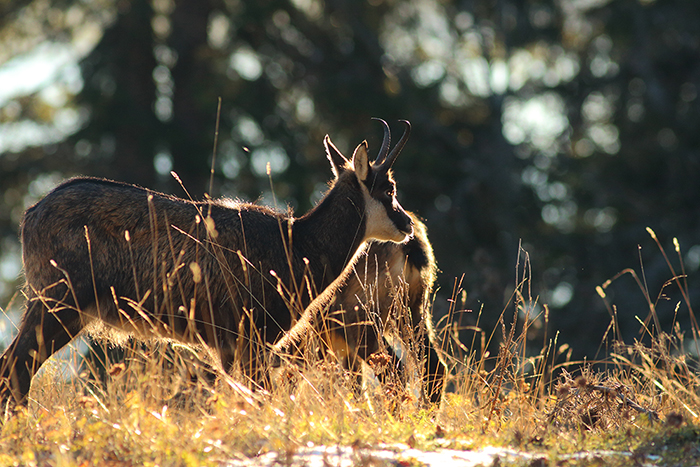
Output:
x,y
220,273
388,277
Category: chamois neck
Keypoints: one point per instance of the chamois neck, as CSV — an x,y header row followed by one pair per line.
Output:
x,y
331,233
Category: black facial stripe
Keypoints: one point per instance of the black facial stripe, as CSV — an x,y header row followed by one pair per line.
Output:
x,y
378,185
379,190
398,217
378,182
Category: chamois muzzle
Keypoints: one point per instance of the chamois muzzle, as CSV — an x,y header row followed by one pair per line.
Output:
x,y
403,222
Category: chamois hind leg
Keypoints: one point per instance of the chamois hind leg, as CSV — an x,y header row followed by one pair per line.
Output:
x,y
42,333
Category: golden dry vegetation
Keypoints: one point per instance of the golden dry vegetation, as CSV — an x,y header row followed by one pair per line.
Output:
x,y
152,407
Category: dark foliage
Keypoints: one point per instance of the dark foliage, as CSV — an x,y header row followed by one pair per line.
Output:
x,y
617,153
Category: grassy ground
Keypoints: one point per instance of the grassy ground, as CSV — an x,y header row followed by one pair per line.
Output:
x,y
149,410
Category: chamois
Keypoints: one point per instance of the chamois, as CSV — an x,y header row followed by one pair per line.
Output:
x,y
349,316
118,260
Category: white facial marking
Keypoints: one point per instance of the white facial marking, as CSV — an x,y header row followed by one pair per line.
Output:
x,y
379,226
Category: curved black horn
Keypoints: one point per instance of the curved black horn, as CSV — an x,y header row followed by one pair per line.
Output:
x,y
386,142
389,161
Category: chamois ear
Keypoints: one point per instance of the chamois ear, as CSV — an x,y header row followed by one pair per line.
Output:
x,y
337,160
360,161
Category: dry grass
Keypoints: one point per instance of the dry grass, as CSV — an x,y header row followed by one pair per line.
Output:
x,y
155,405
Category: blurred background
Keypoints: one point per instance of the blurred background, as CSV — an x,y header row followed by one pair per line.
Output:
x,y
551,130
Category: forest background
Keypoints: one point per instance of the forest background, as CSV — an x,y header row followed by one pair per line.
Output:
x,y
560,128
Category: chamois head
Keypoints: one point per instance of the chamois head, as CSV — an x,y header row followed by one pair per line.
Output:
x,y
385,219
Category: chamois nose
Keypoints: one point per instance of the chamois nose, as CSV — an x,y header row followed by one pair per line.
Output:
x,y
408,228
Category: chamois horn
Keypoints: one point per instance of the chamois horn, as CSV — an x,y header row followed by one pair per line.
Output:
x,y
386,142
389,161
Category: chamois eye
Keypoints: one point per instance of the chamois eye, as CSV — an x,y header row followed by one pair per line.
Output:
x,y
389,192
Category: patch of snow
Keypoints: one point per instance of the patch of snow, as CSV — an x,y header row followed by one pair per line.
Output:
x,y
346,456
